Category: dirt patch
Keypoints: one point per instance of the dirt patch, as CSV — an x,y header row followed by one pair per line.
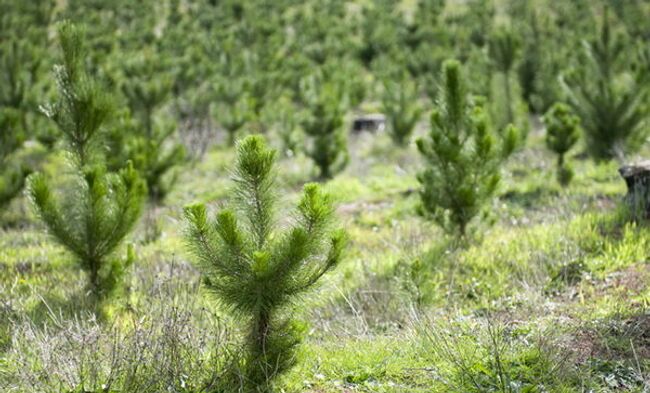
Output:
x,y
357,207
628,282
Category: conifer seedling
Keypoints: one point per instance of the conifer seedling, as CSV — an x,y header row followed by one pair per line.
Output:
x,y
19,67
503,48
233,106
233,117
258,272
323,125
96,209
562,128
400,103
149,145
12,175
613,112
287,129
538,67
463,156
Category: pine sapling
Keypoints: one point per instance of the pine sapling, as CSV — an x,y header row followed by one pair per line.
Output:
x,y
538,68
96,208
503,49
19,67
258,272
150,145
463,156
156,159
233,106
233,117
529,69
287,128
562,128
12,175
400,104
609,96
146,94
323,124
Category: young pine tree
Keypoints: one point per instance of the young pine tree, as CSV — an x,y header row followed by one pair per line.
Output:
x,y
12,175
233,107
20,65
257,272
323,124
608,96
400,103
147,88
96,209
232,117
286,126
503,48
18,68
562,128
463,156
537,71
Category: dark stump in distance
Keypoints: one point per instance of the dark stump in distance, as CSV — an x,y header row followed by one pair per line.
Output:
x,y
372,123
637,178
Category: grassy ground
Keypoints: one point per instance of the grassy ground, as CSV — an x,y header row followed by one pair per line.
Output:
x,y
553,297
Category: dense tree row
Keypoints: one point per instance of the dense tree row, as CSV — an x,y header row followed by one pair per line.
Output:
x,y
231,64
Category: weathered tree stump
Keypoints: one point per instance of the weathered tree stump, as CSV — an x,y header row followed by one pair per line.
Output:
x,y
637,178
373,122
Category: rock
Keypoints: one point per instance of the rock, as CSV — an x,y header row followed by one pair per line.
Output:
x,y
637,178
373,122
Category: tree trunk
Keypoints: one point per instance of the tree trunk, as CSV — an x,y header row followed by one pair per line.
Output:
x,y
262,325
506,75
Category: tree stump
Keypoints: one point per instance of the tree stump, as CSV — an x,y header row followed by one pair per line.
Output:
x,y
374,122
637,178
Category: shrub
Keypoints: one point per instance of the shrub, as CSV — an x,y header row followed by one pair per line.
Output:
x,y
492,355
400,104
257,273
463,156
562,128
323,125
98,208
163,349
608,96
